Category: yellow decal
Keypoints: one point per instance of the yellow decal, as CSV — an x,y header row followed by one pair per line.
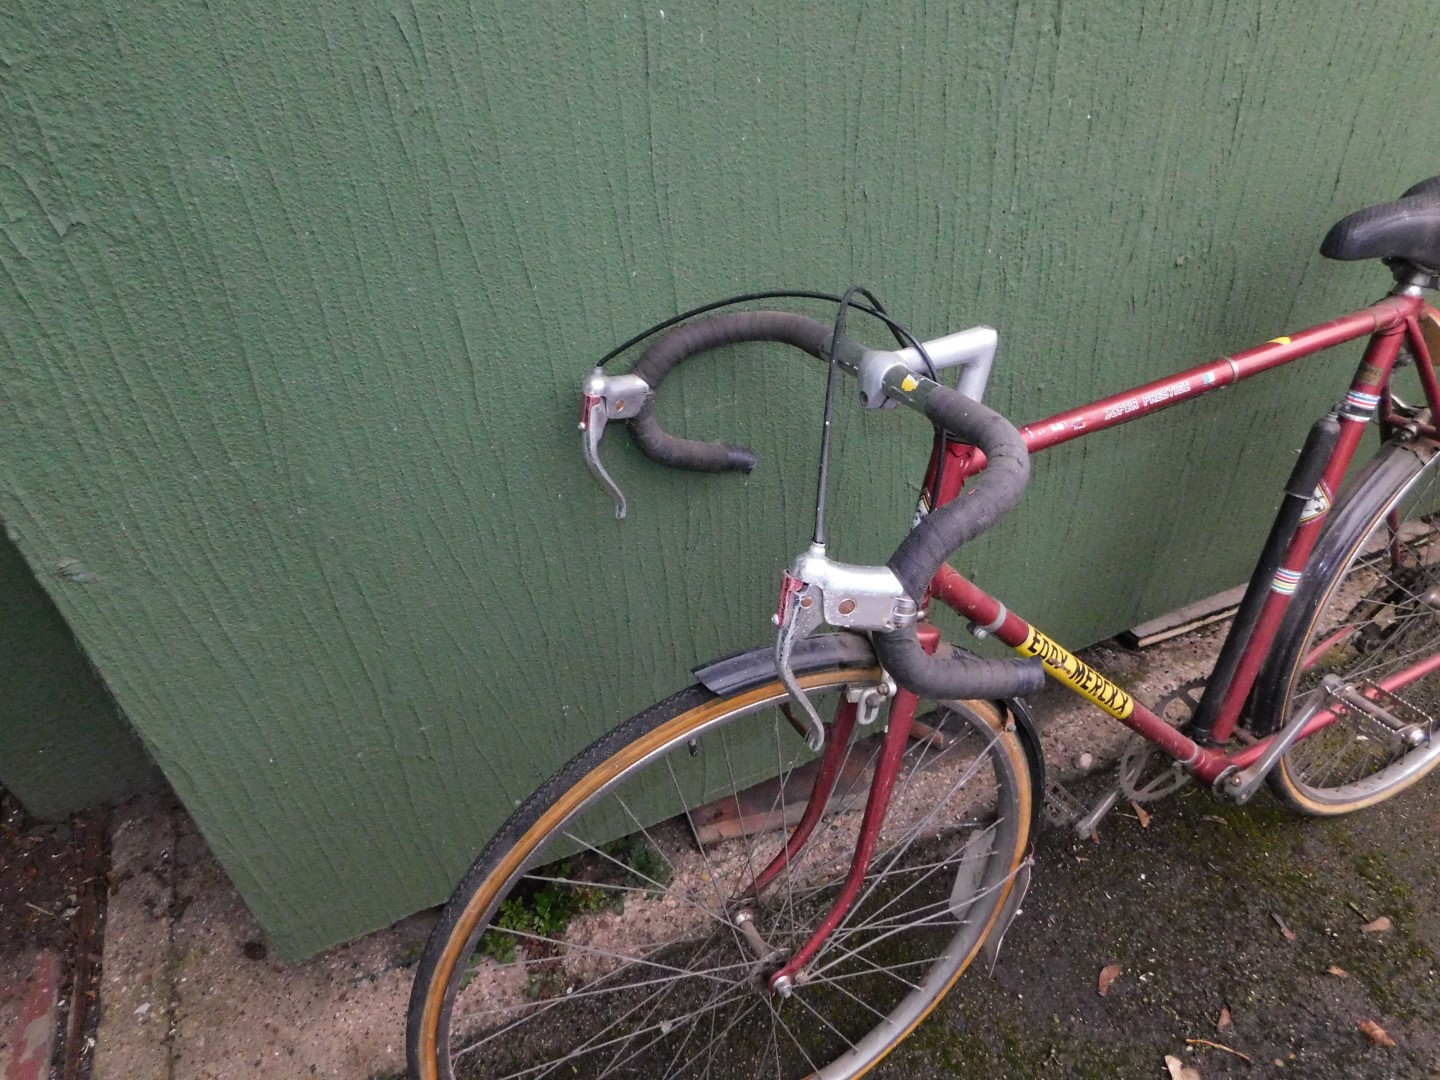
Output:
x,y
1078,675
1282,340
908,383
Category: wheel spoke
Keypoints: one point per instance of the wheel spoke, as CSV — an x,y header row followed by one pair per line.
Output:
x,y
630,964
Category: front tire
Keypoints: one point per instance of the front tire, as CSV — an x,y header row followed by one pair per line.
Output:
x,y
595,935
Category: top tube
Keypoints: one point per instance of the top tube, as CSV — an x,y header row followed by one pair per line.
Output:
x,y
1228,370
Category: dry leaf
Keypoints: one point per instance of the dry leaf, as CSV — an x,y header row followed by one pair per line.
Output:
x,y
1108,974
1376,1034
1179,1070
1379,926
1338,971
1289,934
1140,813
1223,1024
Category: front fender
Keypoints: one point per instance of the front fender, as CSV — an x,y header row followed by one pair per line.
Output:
x,y
820,652
816,653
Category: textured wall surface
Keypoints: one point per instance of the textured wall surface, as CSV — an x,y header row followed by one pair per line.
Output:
x,y
295,301
63,744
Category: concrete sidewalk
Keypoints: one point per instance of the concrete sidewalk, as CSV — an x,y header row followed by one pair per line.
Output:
x,y
188,991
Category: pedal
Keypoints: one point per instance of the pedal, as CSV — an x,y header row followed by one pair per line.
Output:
x,y
1389,718
1061,807
1391,735
1407,710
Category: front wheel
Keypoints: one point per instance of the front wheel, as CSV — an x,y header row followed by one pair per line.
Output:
x,y
1366,618
602,932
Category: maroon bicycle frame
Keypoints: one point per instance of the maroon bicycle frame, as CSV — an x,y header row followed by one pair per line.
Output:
x,y
1389,324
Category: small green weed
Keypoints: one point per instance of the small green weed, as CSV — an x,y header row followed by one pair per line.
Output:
x,y
646,865
538,910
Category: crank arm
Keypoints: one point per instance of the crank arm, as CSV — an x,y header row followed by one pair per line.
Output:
x,y
1087,826
1242,785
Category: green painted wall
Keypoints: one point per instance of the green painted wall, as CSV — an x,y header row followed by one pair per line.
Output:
x,y
63,744
295,301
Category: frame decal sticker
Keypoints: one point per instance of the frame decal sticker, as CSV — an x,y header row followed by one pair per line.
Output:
x,y
1318,506
1078,675
1285,581
1359,405
922,510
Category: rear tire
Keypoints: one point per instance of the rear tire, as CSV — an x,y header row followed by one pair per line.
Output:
x,y
1367,609
568,952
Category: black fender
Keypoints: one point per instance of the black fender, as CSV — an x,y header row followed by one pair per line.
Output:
x,y
756,666
822,651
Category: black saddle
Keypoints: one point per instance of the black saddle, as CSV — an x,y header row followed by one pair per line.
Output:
x,y
1408,229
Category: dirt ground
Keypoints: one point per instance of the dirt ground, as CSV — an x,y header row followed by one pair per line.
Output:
x,y
1237,926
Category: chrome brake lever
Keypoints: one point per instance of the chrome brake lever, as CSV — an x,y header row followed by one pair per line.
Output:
x,y
608,397
801,611
592,426
818,590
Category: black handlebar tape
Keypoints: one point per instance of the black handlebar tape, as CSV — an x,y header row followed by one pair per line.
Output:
x,y
962,675
692,339
939,535
928,545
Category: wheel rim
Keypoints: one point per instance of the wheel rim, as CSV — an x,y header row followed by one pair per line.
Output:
x,y
550,974
1380,618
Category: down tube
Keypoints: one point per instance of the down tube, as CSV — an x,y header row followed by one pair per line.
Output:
x,y
1064,667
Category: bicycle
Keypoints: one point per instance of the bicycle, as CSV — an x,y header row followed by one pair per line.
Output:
x,y
757,876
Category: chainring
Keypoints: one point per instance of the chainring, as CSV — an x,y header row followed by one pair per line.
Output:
x,y
1145,774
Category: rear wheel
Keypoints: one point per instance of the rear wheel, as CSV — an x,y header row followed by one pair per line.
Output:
x,y
600,932
1365,621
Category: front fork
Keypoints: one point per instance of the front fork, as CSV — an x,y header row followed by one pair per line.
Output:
x,y
882,786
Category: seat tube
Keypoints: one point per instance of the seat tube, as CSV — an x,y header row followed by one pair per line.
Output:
x,y
1355,412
